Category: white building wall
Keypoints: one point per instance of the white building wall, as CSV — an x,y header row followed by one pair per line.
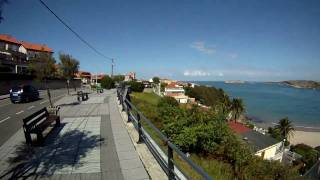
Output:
x,y
183,101
22,49
270,151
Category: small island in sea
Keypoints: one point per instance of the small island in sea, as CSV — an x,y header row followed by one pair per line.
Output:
x,y
302,84
234,82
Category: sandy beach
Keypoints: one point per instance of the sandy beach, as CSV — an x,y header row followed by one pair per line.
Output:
x,y
311,138
306,135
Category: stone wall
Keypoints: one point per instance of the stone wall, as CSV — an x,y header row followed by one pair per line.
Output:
x,y
6,85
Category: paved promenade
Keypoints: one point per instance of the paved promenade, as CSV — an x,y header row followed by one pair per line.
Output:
x,y
91,143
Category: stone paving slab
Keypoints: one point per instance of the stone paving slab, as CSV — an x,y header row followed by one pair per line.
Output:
x,y
91,143
132,168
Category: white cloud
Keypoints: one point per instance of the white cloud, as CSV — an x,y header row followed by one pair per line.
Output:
x,y
202,47
195,73
233,55
220,74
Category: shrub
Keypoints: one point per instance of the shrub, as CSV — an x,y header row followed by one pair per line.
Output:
x,y
136,86
107,82
167,100
309,154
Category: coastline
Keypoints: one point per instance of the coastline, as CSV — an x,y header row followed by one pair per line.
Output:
x,y
306,135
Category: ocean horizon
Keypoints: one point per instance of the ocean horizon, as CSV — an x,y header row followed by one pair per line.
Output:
x,y
268,102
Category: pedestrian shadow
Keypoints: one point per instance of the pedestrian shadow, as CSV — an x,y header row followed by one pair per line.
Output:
x,y
58,154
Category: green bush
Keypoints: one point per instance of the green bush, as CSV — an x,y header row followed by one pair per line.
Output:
x,y
107,82
310,155
168,101
209,96
136,86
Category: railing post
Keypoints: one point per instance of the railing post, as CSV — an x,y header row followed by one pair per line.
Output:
x,y
128,112
122,103
170,163
140,140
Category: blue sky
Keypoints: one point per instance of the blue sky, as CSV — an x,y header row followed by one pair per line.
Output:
x,y
256,40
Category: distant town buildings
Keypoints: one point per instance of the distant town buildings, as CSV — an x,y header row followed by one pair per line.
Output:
x,y
176,90
130,76
14,54
167,81
84,76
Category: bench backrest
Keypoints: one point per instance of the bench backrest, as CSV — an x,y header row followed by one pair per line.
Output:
x,y
34,118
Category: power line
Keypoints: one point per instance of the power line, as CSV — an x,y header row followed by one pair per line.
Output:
x,y
75,33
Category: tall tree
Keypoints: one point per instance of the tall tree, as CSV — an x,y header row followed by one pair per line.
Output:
x,y
285,127
237,107
69,67
43,67
156,80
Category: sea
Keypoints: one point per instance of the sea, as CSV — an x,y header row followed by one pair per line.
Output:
x,y
267,103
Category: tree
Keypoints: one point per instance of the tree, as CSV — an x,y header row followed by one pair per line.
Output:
x,y
309,154
118,78
107,82
69,67
43,67
156,80
136,86
163,86
237,107
285,128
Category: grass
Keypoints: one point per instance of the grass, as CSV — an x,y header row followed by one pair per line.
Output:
x,y
147,104
149,98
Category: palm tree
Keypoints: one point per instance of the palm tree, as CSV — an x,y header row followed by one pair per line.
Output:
x,y
226,104
237,107
285,127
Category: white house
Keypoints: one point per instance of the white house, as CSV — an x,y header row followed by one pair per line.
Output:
x,y
265,146
173,88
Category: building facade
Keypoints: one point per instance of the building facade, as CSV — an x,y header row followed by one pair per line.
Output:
x,y
14,54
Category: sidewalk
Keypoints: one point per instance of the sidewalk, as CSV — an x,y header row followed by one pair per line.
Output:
x,y
91,143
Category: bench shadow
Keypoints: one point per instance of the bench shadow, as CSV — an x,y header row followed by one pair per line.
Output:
x,y
59,153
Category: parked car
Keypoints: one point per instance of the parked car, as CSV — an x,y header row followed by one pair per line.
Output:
x,y
23,93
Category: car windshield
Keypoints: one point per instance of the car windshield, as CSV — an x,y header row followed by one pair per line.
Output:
x,y
16,88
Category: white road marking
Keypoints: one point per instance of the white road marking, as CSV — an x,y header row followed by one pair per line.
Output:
x,y
44,101
20,112
31,107
3,120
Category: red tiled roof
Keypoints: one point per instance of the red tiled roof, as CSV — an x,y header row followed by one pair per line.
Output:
x,y
172,85
36,47
84,74
238,127
8,38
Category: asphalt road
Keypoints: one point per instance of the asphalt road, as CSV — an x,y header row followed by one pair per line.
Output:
x,y
11,115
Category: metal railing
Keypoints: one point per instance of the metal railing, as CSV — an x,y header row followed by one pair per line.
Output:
x,y
167,162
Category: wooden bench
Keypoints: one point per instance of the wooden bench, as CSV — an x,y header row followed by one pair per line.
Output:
x,y
38,122
82,96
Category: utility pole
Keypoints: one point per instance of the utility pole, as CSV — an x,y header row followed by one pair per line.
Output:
x,y
112,64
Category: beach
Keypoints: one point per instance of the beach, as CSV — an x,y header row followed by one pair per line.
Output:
x,y
307,135
311,138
